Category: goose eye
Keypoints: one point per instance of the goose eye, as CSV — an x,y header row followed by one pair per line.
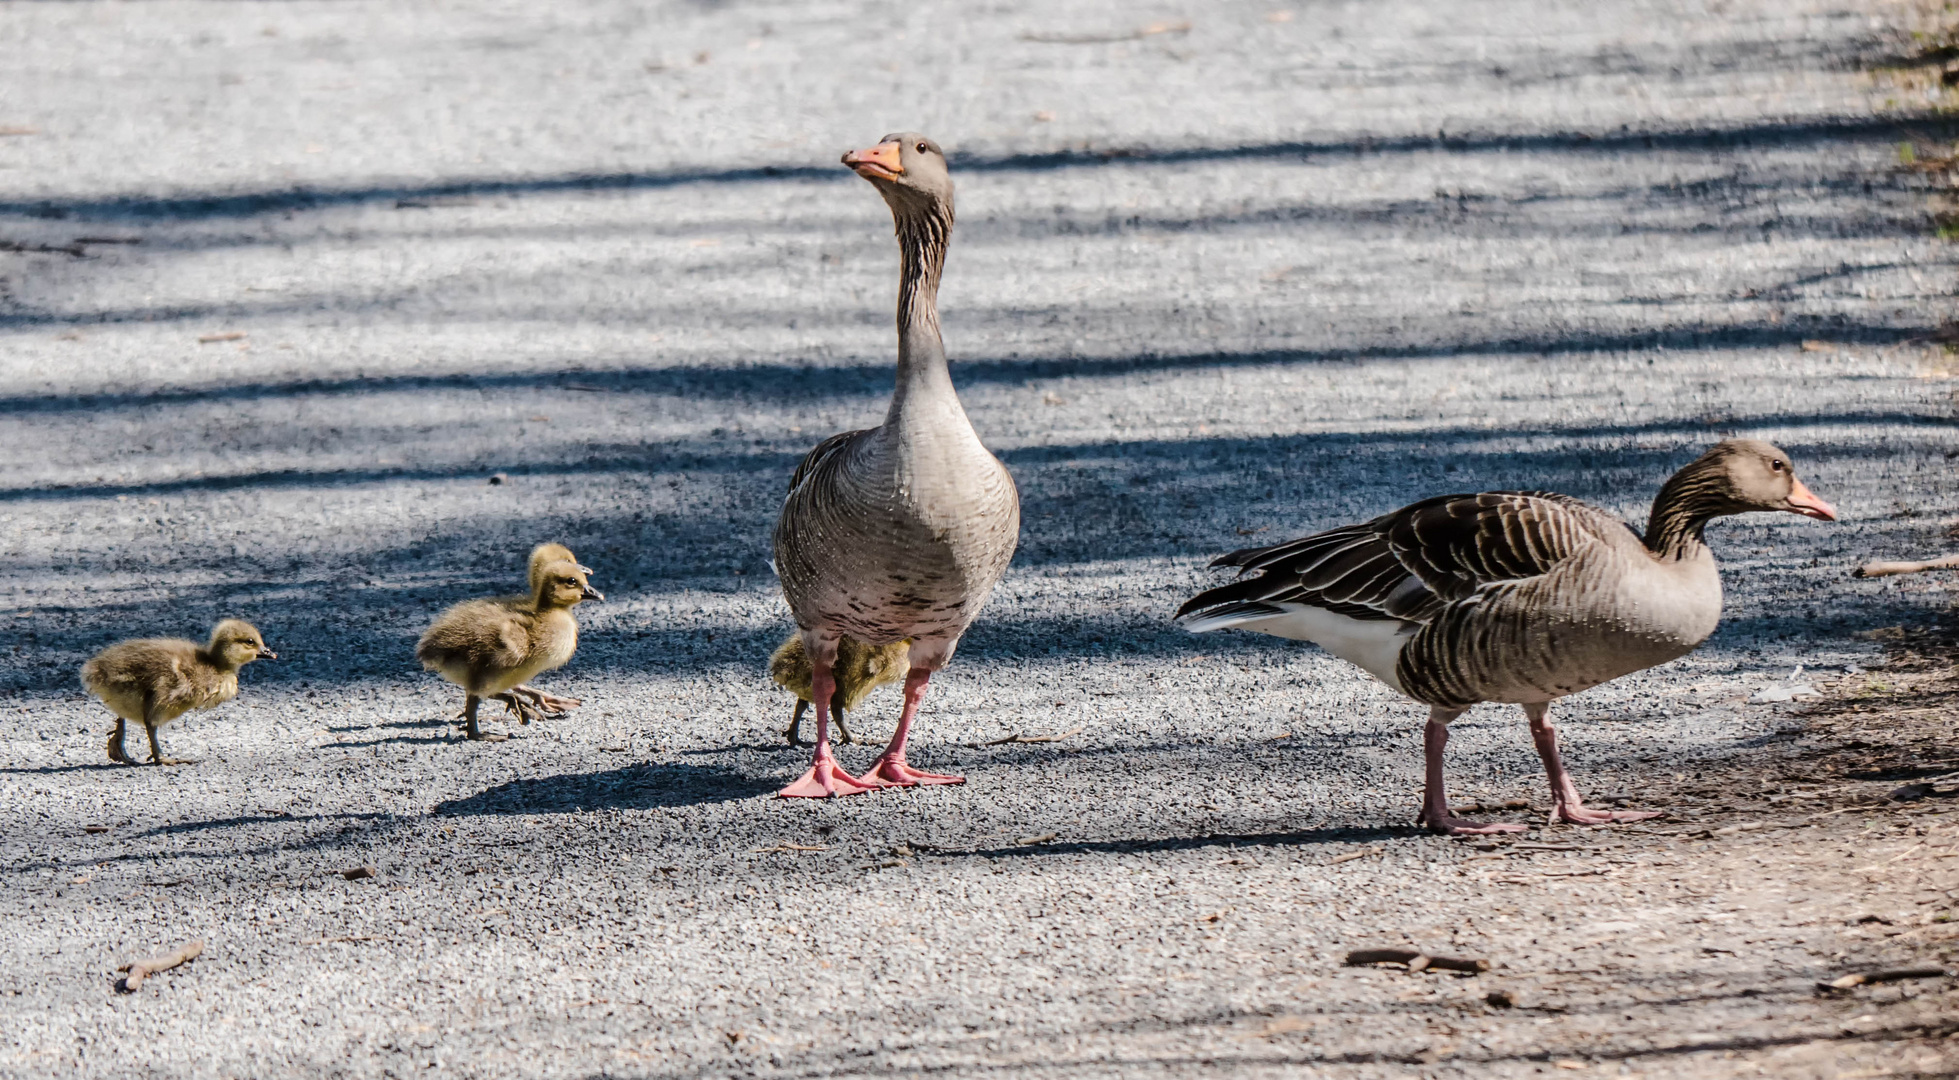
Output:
x,y
924,149
1777,465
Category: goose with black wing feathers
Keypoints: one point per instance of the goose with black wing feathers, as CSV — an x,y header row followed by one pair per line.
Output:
x,y
1508,596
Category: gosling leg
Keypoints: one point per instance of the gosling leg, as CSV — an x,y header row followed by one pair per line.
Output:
x,y
156,751
470,730
795,732
116,752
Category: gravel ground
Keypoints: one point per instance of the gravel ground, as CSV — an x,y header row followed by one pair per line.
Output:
x,y
283,285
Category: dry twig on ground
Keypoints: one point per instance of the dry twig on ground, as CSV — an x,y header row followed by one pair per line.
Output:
x,y
1884,975
1880,568
1415,959
139,970
1019,738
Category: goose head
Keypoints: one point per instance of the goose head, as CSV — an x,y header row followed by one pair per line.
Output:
x,y
1735,476
563,585
235,643
909,170
1744,475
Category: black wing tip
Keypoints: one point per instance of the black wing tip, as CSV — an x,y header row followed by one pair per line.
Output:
x,y
1241,557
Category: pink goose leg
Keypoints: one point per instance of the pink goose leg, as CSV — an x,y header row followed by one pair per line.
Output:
x,y
890,769
1565,803
825,777
1435,802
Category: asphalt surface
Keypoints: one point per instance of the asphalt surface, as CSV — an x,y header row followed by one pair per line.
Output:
x,y
284,285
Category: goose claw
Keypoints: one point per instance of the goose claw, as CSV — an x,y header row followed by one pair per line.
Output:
x,y
825,779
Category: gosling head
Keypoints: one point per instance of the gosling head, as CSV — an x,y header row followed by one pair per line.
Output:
x,y
544,555
235,643
563,585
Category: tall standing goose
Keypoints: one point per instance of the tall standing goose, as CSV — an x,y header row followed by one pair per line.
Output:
x,y
1508,596
902,530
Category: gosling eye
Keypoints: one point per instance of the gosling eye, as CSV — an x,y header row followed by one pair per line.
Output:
x,y
924,149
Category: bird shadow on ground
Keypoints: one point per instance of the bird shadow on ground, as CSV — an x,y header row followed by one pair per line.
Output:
x,y
365,728
258,819
634,787
411,740
1296,838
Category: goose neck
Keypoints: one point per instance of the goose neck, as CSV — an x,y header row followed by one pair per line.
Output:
x,y
1681,511
923,377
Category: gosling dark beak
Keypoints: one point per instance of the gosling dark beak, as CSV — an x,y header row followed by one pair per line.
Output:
x,y
586,570
267,654
1803,501
590,593
880,162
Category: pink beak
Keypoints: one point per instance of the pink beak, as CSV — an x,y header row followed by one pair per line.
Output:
x,y
1803,501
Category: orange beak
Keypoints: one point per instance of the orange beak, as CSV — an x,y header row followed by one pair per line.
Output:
x,y
880,162
1803,501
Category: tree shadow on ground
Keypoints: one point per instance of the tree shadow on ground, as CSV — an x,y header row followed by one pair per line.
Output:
x,y
232,205
1090,504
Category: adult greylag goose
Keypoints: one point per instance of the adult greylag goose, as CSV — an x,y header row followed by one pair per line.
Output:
x,y
1508,596
546,706
155,680
859,669
902,530
488,647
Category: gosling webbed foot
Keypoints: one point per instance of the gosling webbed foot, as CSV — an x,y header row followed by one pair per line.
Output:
x,y
520,707
546,706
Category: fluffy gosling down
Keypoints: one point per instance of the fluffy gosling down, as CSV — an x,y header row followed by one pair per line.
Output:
x,y
860,669
155,680
548,706
490,647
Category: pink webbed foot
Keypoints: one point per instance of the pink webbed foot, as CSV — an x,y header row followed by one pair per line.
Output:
x,y
825,779
1577,814
1451,825
890,771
